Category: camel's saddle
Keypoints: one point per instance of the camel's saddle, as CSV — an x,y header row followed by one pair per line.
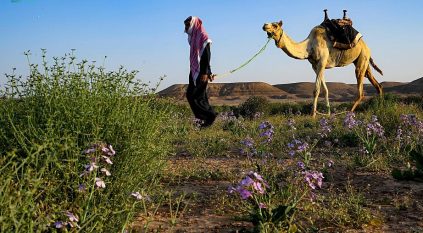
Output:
x,y
341,32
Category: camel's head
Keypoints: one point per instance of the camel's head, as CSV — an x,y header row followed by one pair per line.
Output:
x,y
273,29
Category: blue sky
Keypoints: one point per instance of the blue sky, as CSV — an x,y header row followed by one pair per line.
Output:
x,y
148,36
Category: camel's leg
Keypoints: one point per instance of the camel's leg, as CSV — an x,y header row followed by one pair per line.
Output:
x,y
319,70
316,95
374,82
326,93
360,70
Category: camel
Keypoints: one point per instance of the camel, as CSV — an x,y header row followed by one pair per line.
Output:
x,y
318,49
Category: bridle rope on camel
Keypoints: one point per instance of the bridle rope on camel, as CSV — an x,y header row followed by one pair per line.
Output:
x,y
245,63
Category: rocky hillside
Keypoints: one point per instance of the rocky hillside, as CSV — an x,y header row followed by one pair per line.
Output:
x,y
293,91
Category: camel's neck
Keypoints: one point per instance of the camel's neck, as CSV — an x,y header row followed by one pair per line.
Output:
x,y
292,48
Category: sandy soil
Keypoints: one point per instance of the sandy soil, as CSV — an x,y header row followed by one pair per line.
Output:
x,y
399,204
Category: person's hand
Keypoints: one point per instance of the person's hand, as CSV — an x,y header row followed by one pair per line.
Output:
x,y
211,77
204,78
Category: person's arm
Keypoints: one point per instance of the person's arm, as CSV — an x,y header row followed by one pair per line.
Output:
x,y
205,71
205,61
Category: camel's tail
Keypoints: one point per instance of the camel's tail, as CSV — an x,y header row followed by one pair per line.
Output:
x,y
375,66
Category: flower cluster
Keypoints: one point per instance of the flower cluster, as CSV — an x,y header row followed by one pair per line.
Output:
x,y
106,152
350,122
296,146
410,129
325,128
227,116
248,147
252,184
409,120
72,221
267,131
197,122
314,179
374,127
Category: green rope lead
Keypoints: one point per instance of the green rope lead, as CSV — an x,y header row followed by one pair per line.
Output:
x,y
246,63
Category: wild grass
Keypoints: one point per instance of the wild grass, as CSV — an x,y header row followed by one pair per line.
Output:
x,y
84,149
49,118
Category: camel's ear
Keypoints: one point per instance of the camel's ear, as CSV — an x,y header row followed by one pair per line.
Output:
x,y
280,23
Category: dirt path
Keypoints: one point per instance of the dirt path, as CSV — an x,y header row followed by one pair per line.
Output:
x,y
400,203
204,183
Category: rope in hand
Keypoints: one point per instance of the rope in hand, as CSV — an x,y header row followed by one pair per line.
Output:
x,y
245,63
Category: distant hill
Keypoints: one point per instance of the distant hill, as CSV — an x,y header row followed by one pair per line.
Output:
x,y
230,92
233,93
414,87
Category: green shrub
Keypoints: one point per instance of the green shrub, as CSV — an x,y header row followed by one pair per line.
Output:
x,y
415,172
253,105
47,121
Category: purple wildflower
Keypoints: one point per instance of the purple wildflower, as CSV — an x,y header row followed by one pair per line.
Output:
x,y
301,165
350,121
314,179
245,194
90,167
82,187
325,128
267,131
330,163
251,183
296,146
248,142
59,224
231,190
374,127
247,181
302,147
250,149
409,119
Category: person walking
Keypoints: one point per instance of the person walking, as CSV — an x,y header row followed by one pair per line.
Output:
x,y
200,72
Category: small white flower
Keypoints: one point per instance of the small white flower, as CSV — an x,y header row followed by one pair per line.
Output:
x,y
105,171
137,195
71,216
107,160
100,183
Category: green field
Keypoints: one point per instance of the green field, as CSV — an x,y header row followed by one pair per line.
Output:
x,y
83,149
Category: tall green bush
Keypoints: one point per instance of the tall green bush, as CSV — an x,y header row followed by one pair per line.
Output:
x,y
49,118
